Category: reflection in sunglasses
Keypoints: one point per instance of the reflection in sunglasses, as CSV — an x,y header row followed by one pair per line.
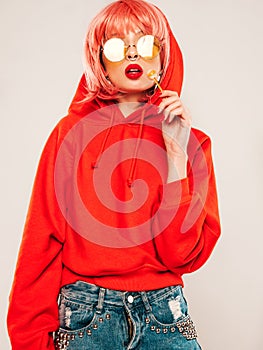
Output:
x,y
115,50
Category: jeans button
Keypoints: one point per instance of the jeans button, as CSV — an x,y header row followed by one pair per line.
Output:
x,y
130,299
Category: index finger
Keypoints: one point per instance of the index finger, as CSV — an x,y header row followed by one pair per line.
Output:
x,y
168,93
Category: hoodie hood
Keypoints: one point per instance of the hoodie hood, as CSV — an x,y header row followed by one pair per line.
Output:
x,y
171,80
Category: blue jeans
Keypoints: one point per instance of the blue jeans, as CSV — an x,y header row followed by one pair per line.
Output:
x,y
94,318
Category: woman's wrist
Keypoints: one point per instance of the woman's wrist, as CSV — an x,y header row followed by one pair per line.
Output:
x,y
177,167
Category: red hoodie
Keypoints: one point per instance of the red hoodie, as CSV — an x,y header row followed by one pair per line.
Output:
x,y
101,211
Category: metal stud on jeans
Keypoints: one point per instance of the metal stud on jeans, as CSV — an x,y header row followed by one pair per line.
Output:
x,y
187,329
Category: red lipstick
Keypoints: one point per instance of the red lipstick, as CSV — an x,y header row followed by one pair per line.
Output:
x,y
133,71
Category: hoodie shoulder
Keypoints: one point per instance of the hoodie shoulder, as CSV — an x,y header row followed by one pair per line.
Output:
x,y
198,140
200,135
65,124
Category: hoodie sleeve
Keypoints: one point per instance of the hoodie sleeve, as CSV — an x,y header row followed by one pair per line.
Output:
x,y
188,217
33,311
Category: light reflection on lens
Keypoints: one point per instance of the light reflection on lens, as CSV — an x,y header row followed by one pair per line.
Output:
x,y
148,47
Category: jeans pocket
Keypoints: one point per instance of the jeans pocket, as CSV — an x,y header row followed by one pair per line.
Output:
x,y
170,308
74,316
170,312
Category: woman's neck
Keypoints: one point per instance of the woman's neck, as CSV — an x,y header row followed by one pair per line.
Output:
x,y
129,103
128,108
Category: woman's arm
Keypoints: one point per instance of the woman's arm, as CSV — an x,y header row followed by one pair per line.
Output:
x,y
188,217
176,128
186,225
33,312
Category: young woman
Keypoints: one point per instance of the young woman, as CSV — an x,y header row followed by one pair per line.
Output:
x,y
124,201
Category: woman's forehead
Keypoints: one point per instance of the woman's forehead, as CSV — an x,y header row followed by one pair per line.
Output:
x,y
126,34
123,28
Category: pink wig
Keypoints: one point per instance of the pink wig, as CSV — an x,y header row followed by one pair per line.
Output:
x,y
120,17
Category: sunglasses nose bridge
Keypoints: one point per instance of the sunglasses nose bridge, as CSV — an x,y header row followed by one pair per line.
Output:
x,y
131,52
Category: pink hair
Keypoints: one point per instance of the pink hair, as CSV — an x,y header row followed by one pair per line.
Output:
x,y
119,17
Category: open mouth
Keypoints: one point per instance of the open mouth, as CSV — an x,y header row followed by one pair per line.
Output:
x,y
133,71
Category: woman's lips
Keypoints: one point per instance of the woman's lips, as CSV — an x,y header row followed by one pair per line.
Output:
x,y
133,71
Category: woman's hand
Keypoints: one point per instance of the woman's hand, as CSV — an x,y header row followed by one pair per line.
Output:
x,y
176,128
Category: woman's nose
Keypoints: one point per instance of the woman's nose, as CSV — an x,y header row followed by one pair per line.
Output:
x,y
132,53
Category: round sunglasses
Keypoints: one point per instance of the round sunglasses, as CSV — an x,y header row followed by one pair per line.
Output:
x,y
147,47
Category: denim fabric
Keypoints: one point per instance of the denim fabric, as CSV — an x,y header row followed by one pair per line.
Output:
x,y
94,318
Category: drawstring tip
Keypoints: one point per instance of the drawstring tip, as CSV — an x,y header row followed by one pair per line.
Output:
x,y
129,182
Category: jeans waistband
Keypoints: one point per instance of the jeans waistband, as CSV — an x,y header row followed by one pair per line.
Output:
x,y
90,293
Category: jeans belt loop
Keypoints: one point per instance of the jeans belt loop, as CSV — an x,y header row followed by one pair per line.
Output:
x,y
146,302
100,300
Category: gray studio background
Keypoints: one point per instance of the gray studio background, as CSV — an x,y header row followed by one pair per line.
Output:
x,y
41,46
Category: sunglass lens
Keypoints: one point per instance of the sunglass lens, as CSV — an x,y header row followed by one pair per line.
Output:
x,y
148,47
114,50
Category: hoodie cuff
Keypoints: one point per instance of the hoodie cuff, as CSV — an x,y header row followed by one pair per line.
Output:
x,y
175,192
